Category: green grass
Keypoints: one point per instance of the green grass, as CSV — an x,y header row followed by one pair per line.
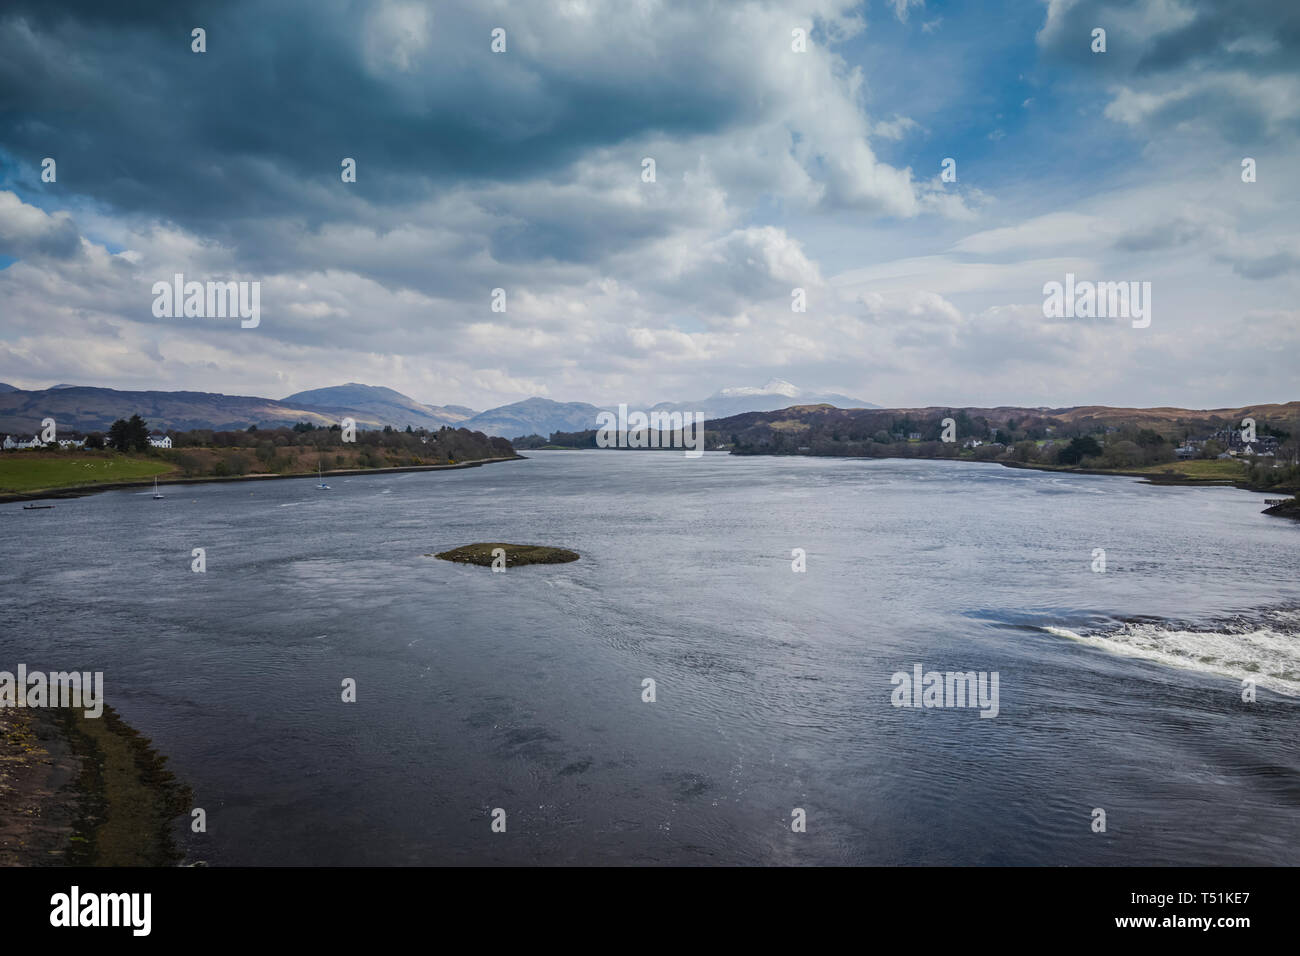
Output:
x,y
1208,469
23,472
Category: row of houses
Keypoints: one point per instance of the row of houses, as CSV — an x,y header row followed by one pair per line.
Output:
x,y
1233,438
19,442
1234,445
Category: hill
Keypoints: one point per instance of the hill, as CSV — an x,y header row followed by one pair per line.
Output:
x,y
1172,423
534,416
383,404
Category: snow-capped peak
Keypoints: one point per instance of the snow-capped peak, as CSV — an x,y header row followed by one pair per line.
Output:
x,y
775,386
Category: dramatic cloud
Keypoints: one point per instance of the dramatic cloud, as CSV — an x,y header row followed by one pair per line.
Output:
x,y
528,171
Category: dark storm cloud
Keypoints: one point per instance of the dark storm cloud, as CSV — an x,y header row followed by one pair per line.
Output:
x,y
1224,65
1260,36
257,126
1224,31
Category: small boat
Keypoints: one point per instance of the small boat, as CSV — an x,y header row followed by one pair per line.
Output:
x,y
322,485
37,507
156,495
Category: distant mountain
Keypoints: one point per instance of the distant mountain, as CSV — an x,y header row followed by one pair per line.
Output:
x,y
7,388
383,404
534,416
774,395
82,408
542,416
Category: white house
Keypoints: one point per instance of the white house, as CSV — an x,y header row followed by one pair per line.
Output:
x,y
72,442
163,441
33,442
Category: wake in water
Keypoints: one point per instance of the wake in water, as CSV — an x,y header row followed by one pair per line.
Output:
x,y
1263,647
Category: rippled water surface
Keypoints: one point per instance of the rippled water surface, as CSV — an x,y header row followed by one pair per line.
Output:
x,y
522,690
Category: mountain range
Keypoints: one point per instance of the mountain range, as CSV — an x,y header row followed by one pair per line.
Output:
x,y
88,408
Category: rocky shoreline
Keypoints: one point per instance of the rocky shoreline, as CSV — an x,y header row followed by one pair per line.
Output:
x,y
80,791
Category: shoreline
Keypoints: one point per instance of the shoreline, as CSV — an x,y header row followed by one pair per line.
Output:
x,y
1148,477
1179,480
1151,479
82,491
1285,510
1281,511
85,792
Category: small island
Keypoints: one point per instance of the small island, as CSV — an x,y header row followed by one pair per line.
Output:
x,y
515,554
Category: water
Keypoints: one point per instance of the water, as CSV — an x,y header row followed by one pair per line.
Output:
x,y
522,690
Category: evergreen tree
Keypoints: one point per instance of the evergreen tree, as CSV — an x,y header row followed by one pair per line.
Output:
x,y
137,433
117,435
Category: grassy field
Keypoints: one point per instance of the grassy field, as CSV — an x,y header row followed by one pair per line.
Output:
x,y
24,472
1209,469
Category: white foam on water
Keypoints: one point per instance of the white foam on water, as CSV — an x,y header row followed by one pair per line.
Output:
x,y
1259,652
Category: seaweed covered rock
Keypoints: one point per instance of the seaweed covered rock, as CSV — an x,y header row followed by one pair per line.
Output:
x,y
1289,508
514,555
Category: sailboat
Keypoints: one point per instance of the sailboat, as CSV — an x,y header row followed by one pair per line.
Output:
x,y
319,475
156,494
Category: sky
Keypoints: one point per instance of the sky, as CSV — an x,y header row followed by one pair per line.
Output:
x,y
775,168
